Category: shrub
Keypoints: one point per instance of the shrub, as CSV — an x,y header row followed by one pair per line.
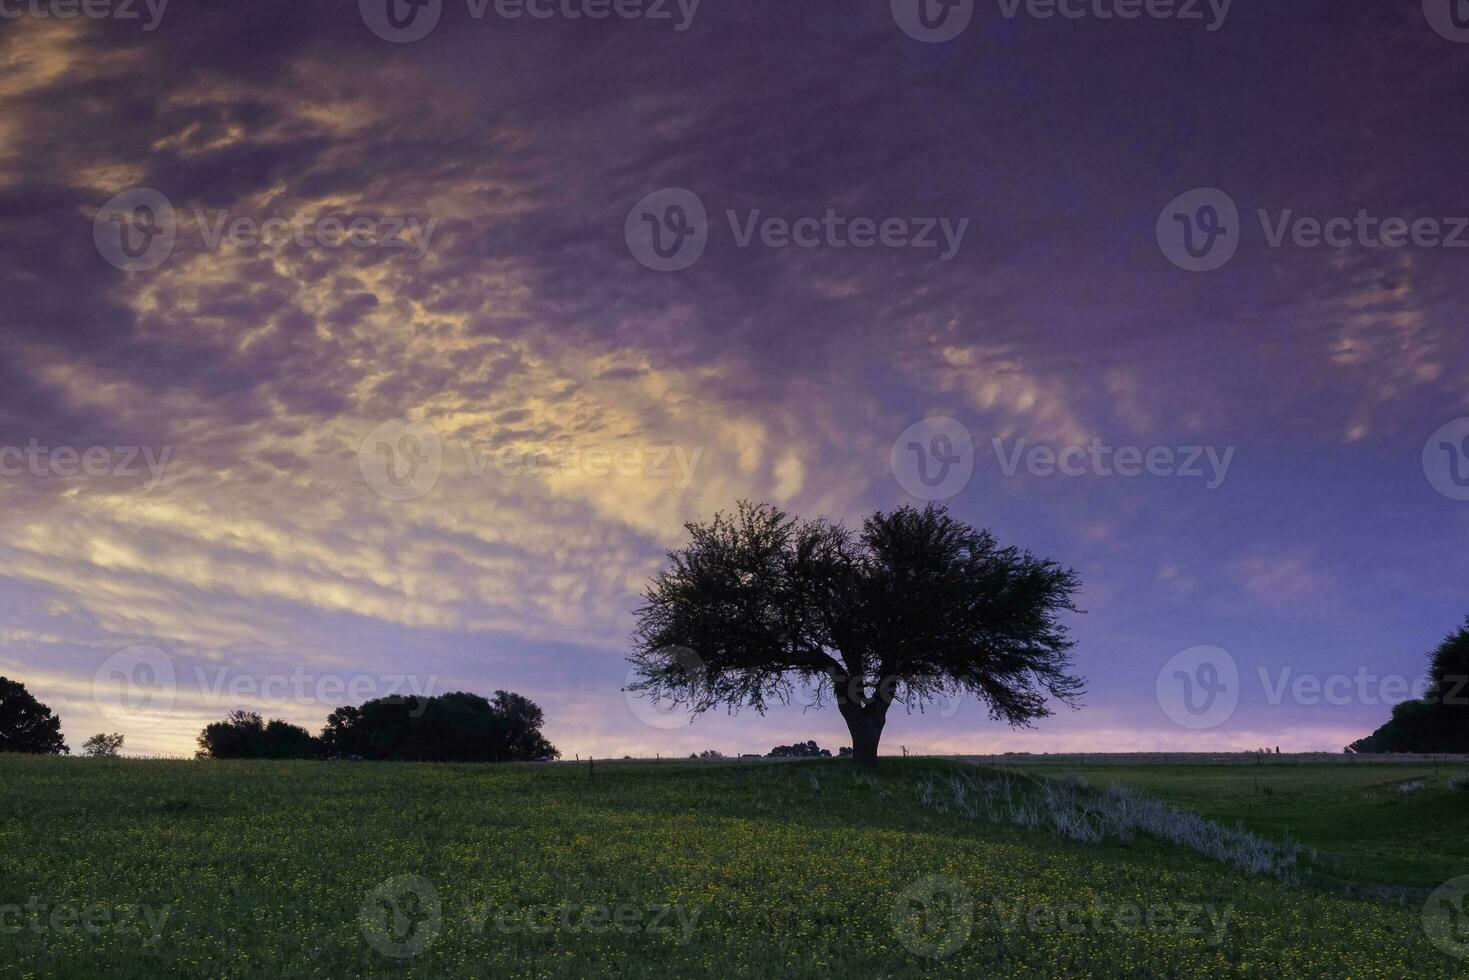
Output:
x,y
102,746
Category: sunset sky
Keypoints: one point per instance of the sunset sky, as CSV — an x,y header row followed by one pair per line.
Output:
x,y
991,236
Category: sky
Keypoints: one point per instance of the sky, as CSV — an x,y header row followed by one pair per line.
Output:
x,y
354,349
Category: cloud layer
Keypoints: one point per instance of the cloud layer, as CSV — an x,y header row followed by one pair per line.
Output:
x,y
585,407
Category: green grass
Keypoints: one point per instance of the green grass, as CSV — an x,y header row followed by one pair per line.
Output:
x,y
1362,827
770,870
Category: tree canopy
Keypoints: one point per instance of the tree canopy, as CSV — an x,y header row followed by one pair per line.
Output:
x,y
913,606
27,725
1439,721
456,727
245,735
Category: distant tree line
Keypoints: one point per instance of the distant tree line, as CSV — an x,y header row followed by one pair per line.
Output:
x,y
800,750
805,750
456,727
1439,721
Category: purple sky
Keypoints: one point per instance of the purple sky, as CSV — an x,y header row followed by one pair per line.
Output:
x,y
270,558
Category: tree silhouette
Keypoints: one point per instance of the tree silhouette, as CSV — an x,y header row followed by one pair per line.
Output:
x,y
103,746
1439,721
914,606
457,727
246,735
27,725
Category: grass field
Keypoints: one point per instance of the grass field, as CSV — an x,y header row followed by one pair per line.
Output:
x,y
151,869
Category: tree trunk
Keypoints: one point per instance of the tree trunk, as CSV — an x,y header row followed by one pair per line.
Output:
x,y
866,728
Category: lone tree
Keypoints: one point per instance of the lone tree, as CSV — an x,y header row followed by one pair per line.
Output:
x,y
914,606
27,725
